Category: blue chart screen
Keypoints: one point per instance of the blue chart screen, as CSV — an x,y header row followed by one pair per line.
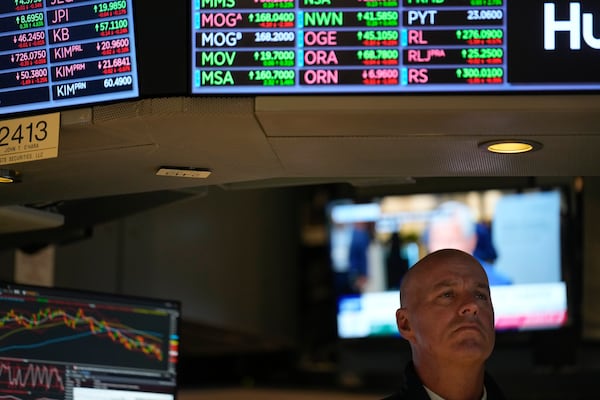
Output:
x,y
56,53
345,46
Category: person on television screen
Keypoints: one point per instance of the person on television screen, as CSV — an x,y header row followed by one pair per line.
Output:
x,y
447,316
453,226
396,264
358,257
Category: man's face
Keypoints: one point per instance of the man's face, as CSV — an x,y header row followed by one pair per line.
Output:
x,y
448,312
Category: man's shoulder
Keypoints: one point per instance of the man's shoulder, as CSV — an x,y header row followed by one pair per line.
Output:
x,y
412,388
493,390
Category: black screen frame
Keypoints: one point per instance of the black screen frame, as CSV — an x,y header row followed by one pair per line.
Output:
x,y
106,374
52,107
523,29
570,252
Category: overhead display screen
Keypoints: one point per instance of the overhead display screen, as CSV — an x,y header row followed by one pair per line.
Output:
x,y
376,46
57,53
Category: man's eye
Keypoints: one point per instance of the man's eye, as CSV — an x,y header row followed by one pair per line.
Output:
x,y
447,294
481,296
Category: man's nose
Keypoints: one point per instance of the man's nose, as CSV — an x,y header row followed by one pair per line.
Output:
x,y
469,307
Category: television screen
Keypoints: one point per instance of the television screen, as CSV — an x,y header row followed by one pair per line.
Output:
x,y
393,46
59,53
516,236
74,345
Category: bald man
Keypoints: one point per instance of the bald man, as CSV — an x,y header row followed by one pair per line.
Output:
x,y
446,314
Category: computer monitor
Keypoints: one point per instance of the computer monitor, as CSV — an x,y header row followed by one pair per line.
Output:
x,y
60,344
251,47
60,54
517,235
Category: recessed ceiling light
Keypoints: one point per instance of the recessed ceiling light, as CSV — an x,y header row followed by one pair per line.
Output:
x,y
9,176
510,146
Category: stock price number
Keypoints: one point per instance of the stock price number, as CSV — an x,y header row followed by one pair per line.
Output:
x,y
114,27
479,34
27,21
288,36
281,77
279,58
112,6
378,18
26,59
32,76
476,15
30,39
110,47
378,35
480,75
490,55
466,73
380,76
118,81
272,17
24,5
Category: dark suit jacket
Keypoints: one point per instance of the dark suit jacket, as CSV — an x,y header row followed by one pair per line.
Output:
x,y
413,389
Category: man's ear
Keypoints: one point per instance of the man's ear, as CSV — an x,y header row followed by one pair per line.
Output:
x,y
403,323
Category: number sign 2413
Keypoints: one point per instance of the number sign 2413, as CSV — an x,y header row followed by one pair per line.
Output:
x,y
29,139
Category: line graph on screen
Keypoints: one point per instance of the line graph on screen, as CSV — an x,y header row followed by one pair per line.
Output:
x,y
83,333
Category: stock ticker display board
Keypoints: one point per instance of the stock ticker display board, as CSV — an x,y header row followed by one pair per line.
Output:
x,y
65,53
56,53
393,46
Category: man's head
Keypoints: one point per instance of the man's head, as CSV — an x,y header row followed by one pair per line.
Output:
x,y
452,226
446,311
